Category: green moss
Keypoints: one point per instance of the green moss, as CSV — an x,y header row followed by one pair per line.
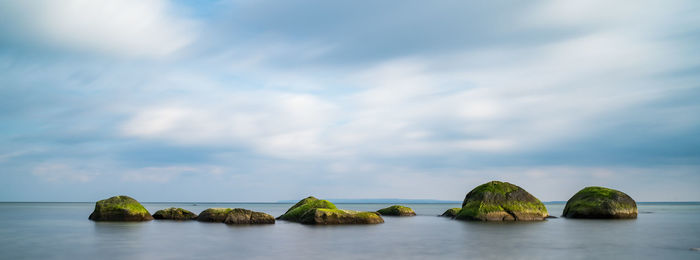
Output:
x,y
120,208
397,210
495,187
497,200
120,203
303,206
214,214
600,202
451,212
339,216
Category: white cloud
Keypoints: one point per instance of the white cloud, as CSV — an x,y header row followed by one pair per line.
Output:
x,y
165,174
62,172
119,27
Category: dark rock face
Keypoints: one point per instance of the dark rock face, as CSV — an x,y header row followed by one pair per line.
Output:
x,y
322,212
213,215
396,210
244,216
174,214
501,201
451,213
600,203
120,208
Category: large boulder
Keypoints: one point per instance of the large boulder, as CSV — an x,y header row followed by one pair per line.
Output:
x,y
322,212
501,201
396,210
213,215
120,208
451,213
599,202
244,216
175,214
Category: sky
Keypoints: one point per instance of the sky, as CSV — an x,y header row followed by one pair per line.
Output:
x,y
231,101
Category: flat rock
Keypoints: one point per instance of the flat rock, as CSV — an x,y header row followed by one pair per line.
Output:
x,y
174,214
396,210
244,216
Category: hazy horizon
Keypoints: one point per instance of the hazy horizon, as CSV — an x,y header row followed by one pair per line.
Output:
x,y
266,100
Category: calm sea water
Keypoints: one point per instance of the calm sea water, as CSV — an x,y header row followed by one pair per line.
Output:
x,y
62,231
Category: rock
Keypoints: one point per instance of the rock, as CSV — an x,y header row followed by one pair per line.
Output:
x,y
599,202
244,216
695,249
214,215
451,212
175,214
319,216
322,212
294,213
120,208
397,210
501,201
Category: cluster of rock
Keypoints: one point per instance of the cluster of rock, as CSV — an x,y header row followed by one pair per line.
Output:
x,y
502,201
322,212
125,208
492,201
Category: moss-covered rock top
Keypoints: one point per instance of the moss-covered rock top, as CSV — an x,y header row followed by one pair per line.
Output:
x,y
214,215
397,210
175,214
600,202
320,216
120,208
294,213
451,212
245,216
501,201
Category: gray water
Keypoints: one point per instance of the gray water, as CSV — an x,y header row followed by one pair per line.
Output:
x,y
62,231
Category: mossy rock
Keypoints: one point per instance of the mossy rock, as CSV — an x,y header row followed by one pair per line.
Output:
x,y
501,201
294,213
396,210
322,212
120,208
451,213
244,216
175,214
214,215
320,216
599,202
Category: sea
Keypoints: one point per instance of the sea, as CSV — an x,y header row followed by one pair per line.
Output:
x,y
63,231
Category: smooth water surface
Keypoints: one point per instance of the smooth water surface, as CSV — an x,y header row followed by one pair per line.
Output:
x,y
62,231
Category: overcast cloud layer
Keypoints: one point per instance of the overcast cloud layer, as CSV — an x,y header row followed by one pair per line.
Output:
x,y
270,100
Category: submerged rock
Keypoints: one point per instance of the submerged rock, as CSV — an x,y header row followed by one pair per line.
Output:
x,y
396,210
599,202
244,216
501,201
322,212
120,208
451,212
175,214
213,215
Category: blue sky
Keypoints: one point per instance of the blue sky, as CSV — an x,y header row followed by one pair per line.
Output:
x,y
269,100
